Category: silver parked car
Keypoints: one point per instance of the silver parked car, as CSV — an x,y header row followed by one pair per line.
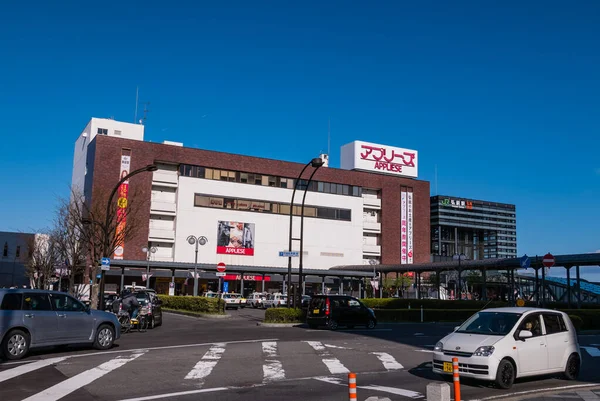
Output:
x,y
38,318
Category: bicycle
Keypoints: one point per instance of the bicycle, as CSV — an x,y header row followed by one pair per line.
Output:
x,y
140,321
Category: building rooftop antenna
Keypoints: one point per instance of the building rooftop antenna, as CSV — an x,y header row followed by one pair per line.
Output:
x,y
137,91
146,111
329,138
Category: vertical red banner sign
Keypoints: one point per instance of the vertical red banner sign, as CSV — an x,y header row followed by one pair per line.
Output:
x,y
123,193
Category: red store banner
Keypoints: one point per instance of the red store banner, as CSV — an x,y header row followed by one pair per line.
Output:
x,y
235,238
249,277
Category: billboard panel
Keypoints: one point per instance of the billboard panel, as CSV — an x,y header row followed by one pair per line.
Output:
x,y
235,238
403,229
122,206
377,158
409,227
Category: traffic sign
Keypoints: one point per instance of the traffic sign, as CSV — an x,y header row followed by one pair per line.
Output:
x,y
287,254
225,286
548,260
221,267
221,274
105,262
525,262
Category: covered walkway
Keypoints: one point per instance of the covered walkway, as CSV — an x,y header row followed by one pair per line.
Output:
x,y
492,265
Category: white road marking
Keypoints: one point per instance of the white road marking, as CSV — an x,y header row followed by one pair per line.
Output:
x,y
424,350
205,366
272,369
336,346
23,369
332,363
393,390
519,393
123,351
388,361
181,393
592,351
76,382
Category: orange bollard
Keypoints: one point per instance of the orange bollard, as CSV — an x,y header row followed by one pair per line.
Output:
x,y
352,386
456,379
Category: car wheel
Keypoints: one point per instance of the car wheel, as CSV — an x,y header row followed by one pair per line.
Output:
x,y
160,322
151,324
105,337
333,325
371,324
16,344
572,368
505,375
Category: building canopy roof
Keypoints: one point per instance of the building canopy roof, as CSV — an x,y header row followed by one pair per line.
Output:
x,y
582,259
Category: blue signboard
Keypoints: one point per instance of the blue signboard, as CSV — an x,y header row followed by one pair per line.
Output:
x,y
105,262
286,254
225,286
525,262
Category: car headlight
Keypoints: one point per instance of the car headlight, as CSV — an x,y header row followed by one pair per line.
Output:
x,y
484,351
439,346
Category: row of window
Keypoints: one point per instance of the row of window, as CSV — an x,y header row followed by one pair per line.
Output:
x,y
252,205
187,170
5,251
469,217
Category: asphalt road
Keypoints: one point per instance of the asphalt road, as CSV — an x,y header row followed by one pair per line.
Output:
x,y
234,359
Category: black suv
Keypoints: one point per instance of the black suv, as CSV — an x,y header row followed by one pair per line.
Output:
x,y
339,310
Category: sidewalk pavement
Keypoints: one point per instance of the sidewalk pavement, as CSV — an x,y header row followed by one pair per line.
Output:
x,y
575,395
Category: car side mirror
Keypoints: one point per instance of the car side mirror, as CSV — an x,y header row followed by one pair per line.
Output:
x,y
87,309
523,334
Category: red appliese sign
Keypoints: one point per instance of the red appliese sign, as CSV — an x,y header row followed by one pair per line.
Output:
x,y
360,155
249,277
229,250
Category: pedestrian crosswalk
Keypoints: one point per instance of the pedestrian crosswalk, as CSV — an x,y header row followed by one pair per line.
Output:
x,y
201,367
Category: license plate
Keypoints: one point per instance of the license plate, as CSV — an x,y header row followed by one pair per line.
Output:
x,y
448,367
316,311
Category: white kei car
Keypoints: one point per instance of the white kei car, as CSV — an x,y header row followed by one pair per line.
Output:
x,y
502,344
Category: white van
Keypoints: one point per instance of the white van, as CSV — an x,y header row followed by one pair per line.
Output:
x,y
502,344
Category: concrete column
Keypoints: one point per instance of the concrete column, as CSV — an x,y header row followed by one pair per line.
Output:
x,y
437,284
122,279
381,278
360,289
578,287
568,286
484,284
323,285
341,289
263,283
304,286
242,284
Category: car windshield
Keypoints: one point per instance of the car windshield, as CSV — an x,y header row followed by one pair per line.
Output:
x,y
490,323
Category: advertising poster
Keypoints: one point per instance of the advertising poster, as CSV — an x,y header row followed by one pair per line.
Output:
x,y
235,238
410,228
122,205
403,229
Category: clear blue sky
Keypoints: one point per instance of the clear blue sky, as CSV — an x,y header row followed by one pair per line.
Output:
x,y
504,96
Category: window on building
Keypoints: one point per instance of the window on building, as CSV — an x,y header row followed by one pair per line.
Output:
x,y
244,178
5,250
102,131
18,253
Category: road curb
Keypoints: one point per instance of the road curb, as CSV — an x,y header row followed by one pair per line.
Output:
x,y
263,324
539,394
197,314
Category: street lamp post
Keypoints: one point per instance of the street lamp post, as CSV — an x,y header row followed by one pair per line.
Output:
x,y
459,257
316,162
148,252
105,229
193,240
300,291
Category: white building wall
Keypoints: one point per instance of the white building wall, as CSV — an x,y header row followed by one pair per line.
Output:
x,y
114,128
341,242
